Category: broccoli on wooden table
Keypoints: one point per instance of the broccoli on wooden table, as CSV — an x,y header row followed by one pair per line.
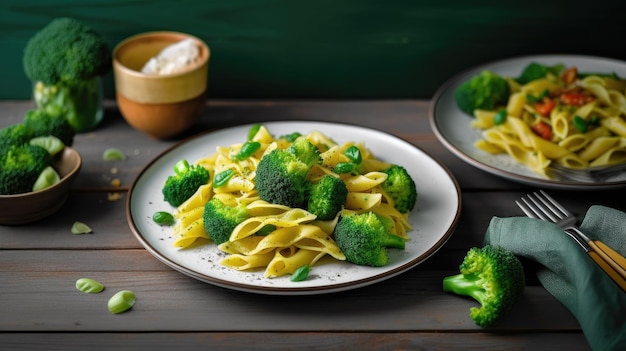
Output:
x,y
494,277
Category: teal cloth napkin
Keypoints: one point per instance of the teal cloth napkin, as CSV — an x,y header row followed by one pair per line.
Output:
x,y
569,274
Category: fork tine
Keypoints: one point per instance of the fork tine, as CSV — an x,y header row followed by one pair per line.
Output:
x,y
527,211
550,210
563,210
533,207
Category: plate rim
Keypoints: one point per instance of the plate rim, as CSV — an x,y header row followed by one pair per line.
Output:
x,y
309,290
434,121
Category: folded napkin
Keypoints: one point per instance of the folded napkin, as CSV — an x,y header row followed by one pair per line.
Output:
x,y
569,274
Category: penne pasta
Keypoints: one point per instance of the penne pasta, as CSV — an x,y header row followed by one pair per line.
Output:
x,y
577,123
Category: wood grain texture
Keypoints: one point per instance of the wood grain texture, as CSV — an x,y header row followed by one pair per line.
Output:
x,y
292,341
330,49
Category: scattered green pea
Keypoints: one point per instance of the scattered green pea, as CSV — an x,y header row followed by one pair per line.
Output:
x,y
301,273
47,178
222,178
80,228
163,218
122,301
88,285
113,154
500,117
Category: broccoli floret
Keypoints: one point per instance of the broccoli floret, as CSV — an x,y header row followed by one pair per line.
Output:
x,y
281,175
20,167
327,197
364,239
494,277
184,183
305,151
534,71
401,187
64,59
14,135
66,50
486,91
44,123
220,219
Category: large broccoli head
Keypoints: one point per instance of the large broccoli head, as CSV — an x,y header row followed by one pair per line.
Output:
x,y
484,91
494,277
220,219
67,51
534,71
184,182
364,239
281,175
14,135
20,167
401,187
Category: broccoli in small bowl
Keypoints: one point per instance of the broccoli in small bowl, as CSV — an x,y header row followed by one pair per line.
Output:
x,y
65,60
34,184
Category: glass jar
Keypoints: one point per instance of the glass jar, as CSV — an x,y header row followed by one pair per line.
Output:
x,y
81,103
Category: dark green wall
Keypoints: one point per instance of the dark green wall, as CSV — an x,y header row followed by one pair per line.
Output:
x,y
332,49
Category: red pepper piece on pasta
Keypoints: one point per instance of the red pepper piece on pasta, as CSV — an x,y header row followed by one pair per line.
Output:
x,y
570,75
545,106
576,99
542,129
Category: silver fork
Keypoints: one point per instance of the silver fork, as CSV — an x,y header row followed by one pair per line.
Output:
x,y
542,206
590,175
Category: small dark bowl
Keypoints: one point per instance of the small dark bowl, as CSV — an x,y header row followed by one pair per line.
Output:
x,y
32,206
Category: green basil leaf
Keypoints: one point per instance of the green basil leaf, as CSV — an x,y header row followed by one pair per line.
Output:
x,y
354,154
301,273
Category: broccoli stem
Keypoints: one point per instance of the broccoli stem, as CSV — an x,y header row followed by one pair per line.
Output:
x,y
181,167
80,102
393,241
465,285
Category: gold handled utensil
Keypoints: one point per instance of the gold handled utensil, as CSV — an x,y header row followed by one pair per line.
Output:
x,y
542,206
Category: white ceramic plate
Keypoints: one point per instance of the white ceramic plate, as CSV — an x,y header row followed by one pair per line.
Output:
x,y
433,219
453,128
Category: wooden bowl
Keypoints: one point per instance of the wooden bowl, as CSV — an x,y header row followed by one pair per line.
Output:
x,y
162,106
32,206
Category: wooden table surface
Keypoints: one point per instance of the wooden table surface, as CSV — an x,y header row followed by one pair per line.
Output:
x,y
40,309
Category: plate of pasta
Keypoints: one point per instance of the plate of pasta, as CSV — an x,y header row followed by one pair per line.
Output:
x,y
539,115
254,259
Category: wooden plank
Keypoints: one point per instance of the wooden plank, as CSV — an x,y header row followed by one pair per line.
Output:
x,y
293,341
170,301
